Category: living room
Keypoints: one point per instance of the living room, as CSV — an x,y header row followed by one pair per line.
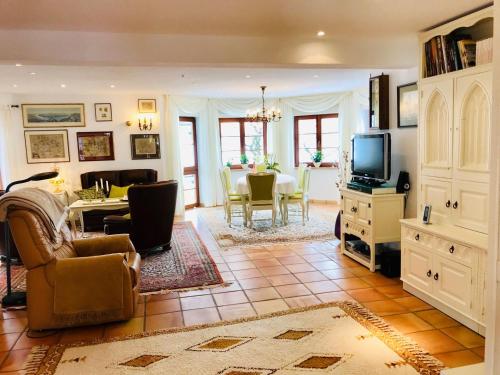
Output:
x,y
188,121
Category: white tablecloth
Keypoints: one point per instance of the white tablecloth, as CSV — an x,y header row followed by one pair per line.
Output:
x,y
285,184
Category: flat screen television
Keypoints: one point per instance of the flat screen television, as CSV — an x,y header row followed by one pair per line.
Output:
x,y
371,157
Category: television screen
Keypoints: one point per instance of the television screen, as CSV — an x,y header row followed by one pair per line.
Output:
x,y
371,156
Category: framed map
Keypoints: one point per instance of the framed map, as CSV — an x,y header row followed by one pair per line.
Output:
x,y
46,146
103,112
53,115
145,146
95,146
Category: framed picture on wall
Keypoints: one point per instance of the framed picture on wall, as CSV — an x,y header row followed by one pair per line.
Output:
x,y
145,146
53,115
146,105
95,146
103,112
408,105
46,146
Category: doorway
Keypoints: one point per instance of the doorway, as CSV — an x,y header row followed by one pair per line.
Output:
x,y
189,158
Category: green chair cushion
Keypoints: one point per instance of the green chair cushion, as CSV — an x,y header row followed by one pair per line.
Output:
x,y
118,191
127,216
235,198
296,195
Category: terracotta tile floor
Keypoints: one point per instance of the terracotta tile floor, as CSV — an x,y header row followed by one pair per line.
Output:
x,y
267,279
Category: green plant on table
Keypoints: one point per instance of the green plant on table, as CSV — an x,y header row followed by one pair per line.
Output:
x,y
271,163
317,157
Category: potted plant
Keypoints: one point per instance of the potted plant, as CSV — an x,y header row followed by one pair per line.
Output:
x,y
316,158
271,163
229,164
244,161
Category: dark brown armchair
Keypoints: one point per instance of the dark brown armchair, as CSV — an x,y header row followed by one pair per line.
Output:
x,y
151,219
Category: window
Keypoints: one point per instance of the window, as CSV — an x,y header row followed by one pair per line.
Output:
x,y
189,156
317,133
239,136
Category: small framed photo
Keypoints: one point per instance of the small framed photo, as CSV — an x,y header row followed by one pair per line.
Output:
x,y
408,105
145,146
53,115
46,146
147,105
95,146
103,112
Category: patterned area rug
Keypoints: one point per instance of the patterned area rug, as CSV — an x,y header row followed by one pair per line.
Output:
x,y
320,226
188,265
337,338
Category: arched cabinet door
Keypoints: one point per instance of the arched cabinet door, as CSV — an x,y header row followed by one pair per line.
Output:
x,y
472,124
436,129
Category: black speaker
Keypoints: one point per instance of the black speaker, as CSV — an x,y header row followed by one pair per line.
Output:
x,y
403,185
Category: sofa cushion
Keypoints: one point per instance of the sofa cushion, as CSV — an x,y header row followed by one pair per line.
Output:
x,y
118,191
137,176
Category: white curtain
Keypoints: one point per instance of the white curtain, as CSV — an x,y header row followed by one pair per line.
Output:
x,y
349,106
280,135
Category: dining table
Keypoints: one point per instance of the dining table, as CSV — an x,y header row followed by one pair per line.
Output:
x,y
285,184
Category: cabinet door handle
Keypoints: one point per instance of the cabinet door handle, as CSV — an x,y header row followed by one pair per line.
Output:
x,y
448,204
347,225
352,209
362,232
436,276
355,209
429,273
417,237
452,249
455,205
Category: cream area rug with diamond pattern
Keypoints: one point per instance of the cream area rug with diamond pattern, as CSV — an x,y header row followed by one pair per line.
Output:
x,y
335,338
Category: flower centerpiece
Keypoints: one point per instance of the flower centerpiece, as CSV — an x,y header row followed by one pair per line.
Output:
x,y
271,163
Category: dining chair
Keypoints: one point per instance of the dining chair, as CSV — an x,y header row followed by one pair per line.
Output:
x,y
261,194
231,198
300,197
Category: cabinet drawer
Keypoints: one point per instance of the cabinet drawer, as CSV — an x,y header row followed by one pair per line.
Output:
x,y
361,231
448,249
455,252
417,237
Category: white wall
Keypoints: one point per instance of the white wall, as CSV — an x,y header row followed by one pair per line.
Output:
x,y
403,140
124,108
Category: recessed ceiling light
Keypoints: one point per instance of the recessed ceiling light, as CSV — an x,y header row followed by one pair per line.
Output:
x,y
14,85
63,85
112,86
248,76
19,64
320,33
315,76
32,73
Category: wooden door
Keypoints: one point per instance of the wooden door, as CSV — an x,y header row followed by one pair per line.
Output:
x,y
437,193
453,284
189,156
472,121
436,116
470,207
417,267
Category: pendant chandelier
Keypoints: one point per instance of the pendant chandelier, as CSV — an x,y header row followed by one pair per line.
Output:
x,y
264,115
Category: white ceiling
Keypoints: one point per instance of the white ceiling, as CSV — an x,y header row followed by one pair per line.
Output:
x,y
270,18
147,45
210,82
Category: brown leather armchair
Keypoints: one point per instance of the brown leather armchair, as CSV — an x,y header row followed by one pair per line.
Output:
x,y
151,220
75,282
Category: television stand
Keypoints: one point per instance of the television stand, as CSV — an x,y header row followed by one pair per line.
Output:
x,y
372,218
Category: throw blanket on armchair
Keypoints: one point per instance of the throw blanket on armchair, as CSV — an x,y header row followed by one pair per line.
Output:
x,y
50,210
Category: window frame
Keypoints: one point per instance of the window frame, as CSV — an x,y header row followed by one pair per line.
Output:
x,y
318,119
241,121
193,170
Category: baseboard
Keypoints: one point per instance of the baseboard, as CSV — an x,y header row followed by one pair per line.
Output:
x,y
325,201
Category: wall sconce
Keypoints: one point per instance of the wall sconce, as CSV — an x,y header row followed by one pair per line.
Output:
x,y
145,122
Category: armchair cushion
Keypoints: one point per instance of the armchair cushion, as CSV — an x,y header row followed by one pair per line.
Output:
x,y
89,283
117,243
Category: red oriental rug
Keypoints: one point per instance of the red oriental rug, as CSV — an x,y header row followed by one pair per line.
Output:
x,y
188,265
